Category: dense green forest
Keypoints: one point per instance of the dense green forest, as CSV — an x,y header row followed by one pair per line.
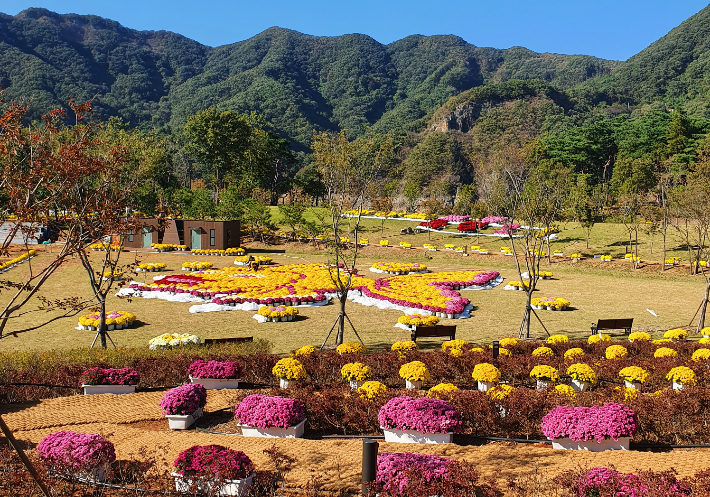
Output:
x,y
235,123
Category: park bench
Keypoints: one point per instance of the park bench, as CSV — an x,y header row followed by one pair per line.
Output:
x,y
437,331
613,324
213,341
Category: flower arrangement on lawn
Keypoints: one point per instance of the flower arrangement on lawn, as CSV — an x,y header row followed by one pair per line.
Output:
x,y
221,370
664,352
392,466
701,355
545,373
543,352
196,266
151,266
549,303
485,373
206,462
565,391
304,351
112,275
634,374
417,320
351,348
398,267
4,266
370,390
582,372
184,400
598,423
404,346
114,319
425,415
78,451
597,338
243,260
573,353
509,342
500,392
356,372
676,334
110,376
553,339
639,336
280,313
173,340
683,375
289,369
262,411
616,352
442,391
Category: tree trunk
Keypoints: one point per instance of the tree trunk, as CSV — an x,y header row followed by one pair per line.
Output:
x,y
102,323
587,238
341,321
703,307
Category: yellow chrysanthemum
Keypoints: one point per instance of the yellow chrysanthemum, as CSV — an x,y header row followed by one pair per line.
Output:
x,y
682,374
543,352
616,352
627,393
634,374
289,369
701,355
582,372
639,336
509,342
661,341
404,346
558,339
351,348
443,391
414,371
478,350
355,371
486,372
306,350
500,392
370,390
574,353
598,339
676,334
664,352
545,373
565,390
454,344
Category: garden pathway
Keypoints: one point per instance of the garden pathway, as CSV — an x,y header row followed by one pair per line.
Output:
x,y
134,421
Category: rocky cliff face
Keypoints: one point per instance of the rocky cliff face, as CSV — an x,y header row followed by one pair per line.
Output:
x,y
462,118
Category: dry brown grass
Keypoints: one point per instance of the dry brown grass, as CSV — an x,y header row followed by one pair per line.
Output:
x,y
595,290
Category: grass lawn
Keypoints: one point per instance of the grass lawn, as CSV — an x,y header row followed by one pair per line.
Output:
x,y
595,289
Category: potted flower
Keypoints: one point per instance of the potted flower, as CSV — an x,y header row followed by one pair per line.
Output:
x,y
681,376
582,376
554,339
391,468
677,335
305,351
595,428
573,353
543,352
370,390
183,405
115,381
214,375
83,455
442,391
487,375
639,336
404,346
350,348
664,352
288,371
415,373
616,352
356,373
545,375
213,469
633,377
271,417
423,420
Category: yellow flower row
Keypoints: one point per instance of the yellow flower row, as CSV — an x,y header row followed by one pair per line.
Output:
x,y
4,266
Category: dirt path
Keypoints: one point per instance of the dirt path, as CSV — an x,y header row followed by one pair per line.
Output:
x,y
134,421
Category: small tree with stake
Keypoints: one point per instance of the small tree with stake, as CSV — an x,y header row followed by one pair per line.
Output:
x,y
523,194
349,169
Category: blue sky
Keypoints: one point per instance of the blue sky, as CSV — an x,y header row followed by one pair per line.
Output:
x,y
603,28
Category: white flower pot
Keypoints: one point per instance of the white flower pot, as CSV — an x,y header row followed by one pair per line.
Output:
x,y
355,384
284,383
592,445
580,386
542,385
413,385
631,384
110,327
677,385
114,389
183,421
484,386
216,383
416,437
235,488
295,431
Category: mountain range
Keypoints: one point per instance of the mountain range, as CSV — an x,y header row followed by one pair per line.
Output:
x,y
155,79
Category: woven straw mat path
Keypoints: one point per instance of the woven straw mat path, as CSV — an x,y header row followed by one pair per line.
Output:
x,y
135,421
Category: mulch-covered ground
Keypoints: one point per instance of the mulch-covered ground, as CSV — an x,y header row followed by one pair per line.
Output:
x,y
135,421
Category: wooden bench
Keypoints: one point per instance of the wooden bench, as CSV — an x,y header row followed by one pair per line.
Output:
x,y
613,324
213,341
437,331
